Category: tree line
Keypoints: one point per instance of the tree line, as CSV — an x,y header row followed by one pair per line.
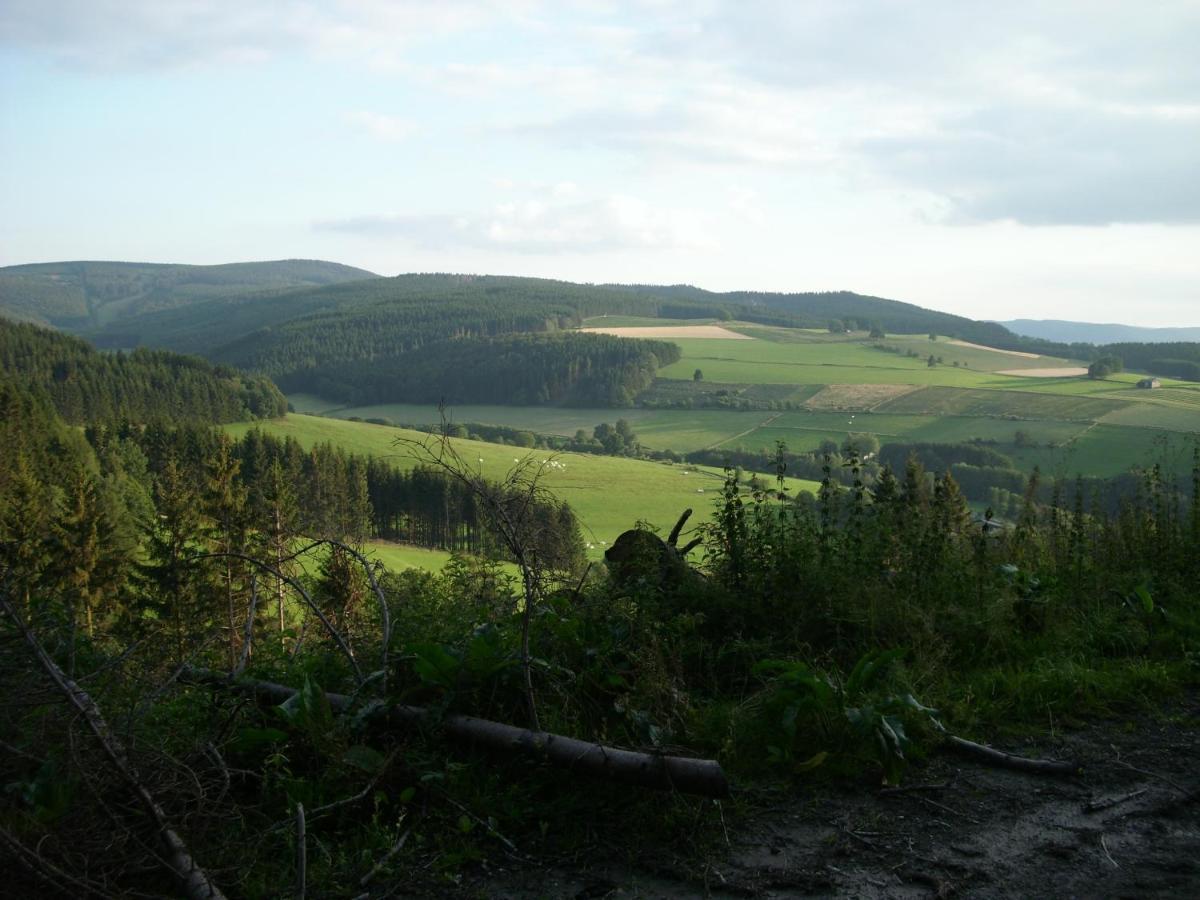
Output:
x,y
513,369
85,385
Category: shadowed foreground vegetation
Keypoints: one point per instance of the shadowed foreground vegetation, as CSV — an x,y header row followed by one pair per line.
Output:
x,y
817,637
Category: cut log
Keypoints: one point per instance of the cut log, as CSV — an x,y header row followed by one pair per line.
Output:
x,y
999,758
703,777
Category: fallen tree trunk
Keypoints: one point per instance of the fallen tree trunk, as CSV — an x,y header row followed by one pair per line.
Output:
x,y
703,777
994,757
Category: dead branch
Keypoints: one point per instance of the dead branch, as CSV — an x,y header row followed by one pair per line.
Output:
x,y
999,758
195,882
248,637
44,870
673,537
913,788
386,858
299,588
507,505
301,854
687,775
1108,802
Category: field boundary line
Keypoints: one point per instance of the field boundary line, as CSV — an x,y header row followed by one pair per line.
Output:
x,y
742,434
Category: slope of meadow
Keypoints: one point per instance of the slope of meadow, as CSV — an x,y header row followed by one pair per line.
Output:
x,y
608,494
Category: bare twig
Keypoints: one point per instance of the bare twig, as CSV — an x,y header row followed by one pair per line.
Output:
x,y
913,788
1104,847
196,883
386,858
1163,778
1097,805
508,505
301,854
42,868
248,638
1009,761
345,801
299,588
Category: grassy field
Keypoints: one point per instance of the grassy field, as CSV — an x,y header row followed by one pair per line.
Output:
x,y
609,494
816,362
399,557
840,384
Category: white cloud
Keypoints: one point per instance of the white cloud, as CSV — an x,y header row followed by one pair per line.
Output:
x,y
550,221
382,126
122,35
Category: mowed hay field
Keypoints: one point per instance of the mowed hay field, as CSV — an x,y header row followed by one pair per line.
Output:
x,y
608,494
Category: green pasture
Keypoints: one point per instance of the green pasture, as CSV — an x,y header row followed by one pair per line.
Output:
x,y
399,557
1013,404
1106,450
681,430
804,431
608,494
817,362
981,359
1075,424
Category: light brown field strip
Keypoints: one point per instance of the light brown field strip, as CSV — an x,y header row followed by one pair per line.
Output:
x,y
672,331
1063,372
995,349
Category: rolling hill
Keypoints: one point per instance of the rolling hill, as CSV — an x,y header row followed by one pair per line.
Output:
x,y
77,296
1096,333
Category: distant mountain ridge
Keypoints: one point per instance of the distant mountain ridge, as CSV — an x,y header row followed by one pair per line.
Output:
x,y
82,295
1068,332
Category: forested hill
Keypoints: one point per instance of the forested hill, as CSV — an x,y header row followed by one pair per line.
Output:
x,y
80,295
85,385
819,309
369,316
392,337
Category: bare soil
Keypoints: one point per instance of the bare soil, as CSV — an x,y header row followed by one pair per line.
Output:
x,y
857,396
1060,372
1128,826
995,349
672,331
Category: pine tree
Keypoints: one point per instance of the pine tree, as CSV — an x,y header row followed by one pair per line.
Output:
x,y
278,524
225,504
175,582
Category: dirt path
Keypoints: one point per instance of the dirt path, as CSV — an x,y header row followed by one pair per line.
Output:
x,y
1129,826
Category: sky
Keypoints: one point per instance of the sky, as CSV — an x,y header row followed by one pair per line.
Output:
x,y
995,160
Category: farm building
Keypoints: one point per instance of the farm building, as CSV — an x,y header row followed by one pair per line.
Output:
x,y
1149,383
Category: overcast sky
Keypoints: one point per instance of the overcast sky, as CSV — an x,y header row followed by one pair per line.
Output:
x,y
997,160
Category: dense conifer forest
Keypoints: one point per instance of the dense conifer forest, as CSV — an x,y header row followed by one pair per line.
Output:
x,y
519,369
85,385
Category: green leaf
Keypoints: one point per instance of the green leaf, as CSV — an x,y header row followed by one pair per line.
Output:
x,y
248,739
1143,594
435,665
812,762
315,712
360,756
